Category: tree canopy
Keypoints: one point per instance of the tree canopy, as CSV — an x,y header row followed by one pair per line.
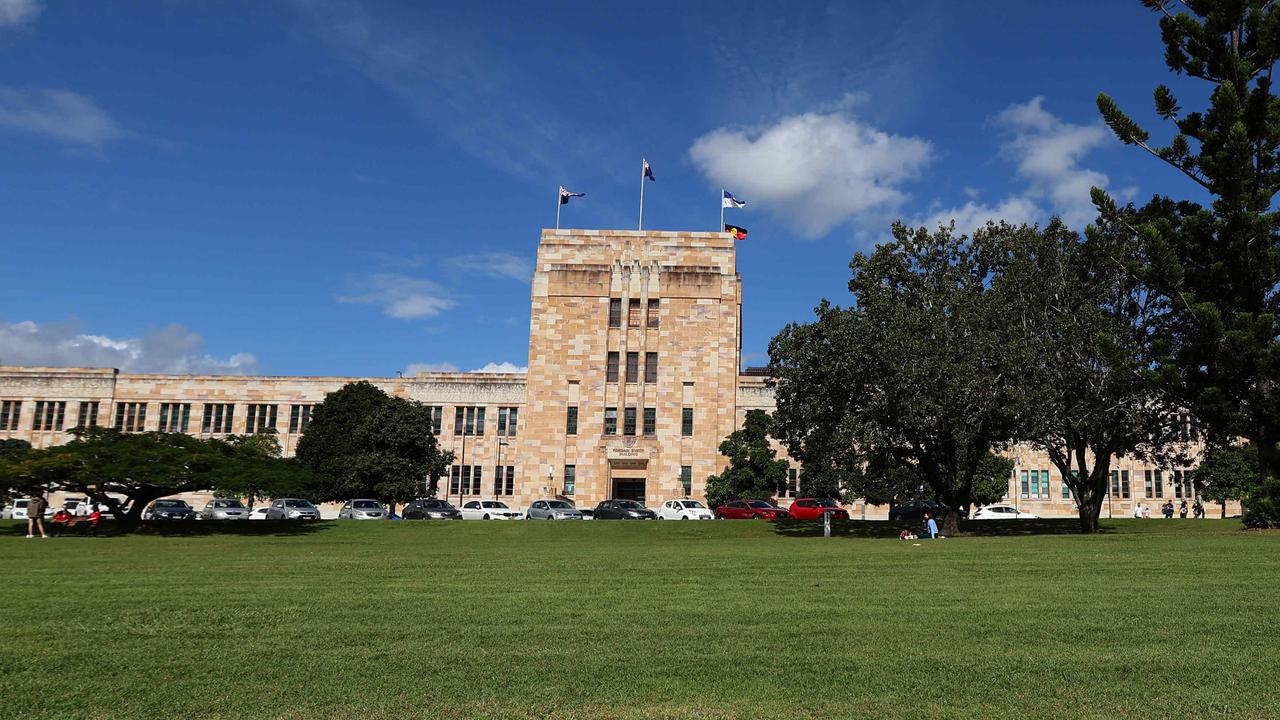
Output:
x,y
754,470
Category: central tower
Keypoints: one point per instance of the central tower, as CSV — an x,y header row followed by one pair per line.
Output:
x,y
634,345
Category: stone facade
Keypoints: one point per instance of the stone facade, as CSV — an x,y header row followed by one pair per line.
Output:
x,y
638,333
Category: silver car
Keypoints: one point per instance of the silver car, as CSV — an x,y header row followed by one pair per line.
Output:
x,y
363,510
553,510
292,509
224,509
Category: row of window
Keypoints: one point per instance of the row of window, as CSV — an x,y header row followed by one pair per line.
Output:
x,y
633,313
174,417
649,419
633,367
1035,485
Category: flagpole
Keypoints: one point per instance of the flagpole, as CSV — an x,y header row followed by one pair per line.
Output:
x,y
640,226
558,204
721,228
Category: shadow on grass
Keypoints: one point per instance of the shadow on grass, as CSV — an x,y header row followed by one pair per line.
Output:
x,y
187,528
890,529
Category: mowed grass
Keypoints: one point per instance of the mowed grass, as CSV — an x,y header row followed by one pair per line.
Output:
x,y
1152,619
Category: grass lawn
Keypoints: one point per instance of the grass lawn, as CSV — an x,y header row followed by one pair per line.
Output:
x,y
1152,619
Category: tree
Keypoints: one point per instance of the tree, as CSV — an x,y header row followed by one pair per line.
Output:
x,y
1216,268
991,481
102,463
11,451
261,472
364,443
1083,317
1227,472
918,369
754,471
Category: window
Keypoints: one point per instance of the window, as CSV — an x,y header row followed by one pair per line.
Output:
x,y
611,368
217,417
1120,484
49,415
507,421
465,479
1035,484
504,480
570,478
611,421
686,479
793,486
651,313
571,420
468,421
131,417
650,421
174,417
651,367
260,419
629,421
633,367
9,412
1186,429
88,415
615,312
1026,486
1066,489
633,313
686,422
300,418
1182,485
436,413
1153,483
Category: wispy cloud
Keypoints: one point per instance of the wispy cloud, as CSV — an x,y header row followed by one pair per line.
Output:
x,y
973,215
816,170
400,296
493,264
59,114
171,349
18,12
502,367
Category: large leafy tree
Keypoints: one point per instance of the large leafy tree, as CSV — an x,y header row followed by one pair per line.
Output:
x,y
754,469
1227,472
11,450
1083,318
918,369
267,475
1216,267
364,443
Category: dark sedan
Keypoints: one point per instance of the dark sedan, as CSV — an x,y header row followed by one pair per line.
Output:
x,y
430,509
914,510
169,510
623,510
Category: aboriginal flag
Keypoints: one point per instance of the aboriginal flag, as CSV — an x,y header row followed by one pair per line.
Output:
x,y
738,233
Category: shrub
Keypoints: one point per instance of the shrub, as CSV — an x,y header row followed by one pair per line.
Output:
x,y
1262,505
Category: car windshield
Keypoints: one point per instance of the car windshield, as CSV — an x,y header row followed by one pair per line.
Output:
x,y
693,504
629,505
298,503
365,505
170,504
559,505
759,504
494,504
826,503
436,504
227,504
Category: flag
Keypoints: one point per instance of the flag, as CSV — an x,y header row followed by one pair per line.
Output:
x,y
738,233
729,201
566,194
648,171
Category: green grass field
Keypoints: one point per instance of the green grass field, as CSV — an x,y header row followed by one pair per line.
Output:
x,y
1153,619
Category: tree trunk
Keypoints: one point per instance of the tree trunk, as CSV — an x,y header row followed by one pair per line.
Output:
x,y
1089,512
951,523
130,521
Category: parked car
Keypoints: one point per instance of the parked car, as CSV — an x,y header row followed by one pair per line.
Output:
x,y
914,510
813,509
259,513
489,510
684,510
430,509
169,510
363,510
751,510
1002,512
292,509
623,510
224,509
16,511
553,510
588,513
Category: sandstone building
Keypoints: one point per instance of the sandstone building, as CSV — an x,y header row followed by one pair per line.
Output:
x,y
633,380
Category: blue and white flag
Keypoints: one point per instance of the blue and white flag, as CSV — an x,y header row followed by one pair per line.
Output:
x,y
729,201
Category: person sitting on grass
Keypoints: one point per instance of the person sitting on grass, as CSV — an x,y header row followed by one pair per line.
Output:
x,y
931,527
60,520
907,535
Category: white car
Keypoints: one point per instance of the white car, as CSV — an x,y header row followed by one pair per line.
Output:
x,y
489,510
258,513
1002,512
684,510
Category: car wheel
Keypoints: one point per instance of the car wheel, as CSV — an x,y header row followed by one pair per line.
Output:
x,y
486,517
755,516
684,517
661,518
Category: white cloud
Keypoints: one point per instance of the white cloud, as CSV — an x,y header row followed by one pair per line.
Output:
x,y
495,264
401,296
502,367
973,215
1048,152
171,349
816,170
415,368
17,12
59,114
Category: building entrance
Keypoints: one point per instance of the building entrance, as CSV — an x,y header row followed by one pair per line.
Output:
x,y
628,489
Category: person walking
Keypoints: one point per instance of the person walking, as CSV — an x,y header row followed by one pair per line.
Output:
x,y
35,515
1197,510
1182,510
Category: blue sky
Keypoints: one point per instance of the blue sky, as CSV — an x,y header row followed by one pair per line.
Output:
x,y
357,187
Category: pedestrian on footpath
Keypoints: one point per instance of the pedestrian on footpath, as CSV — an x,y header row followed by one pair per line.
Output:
x,y
35,515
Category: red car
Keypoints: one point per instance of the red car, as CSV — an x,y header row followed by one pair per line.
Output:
x,y
813,508
750,510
